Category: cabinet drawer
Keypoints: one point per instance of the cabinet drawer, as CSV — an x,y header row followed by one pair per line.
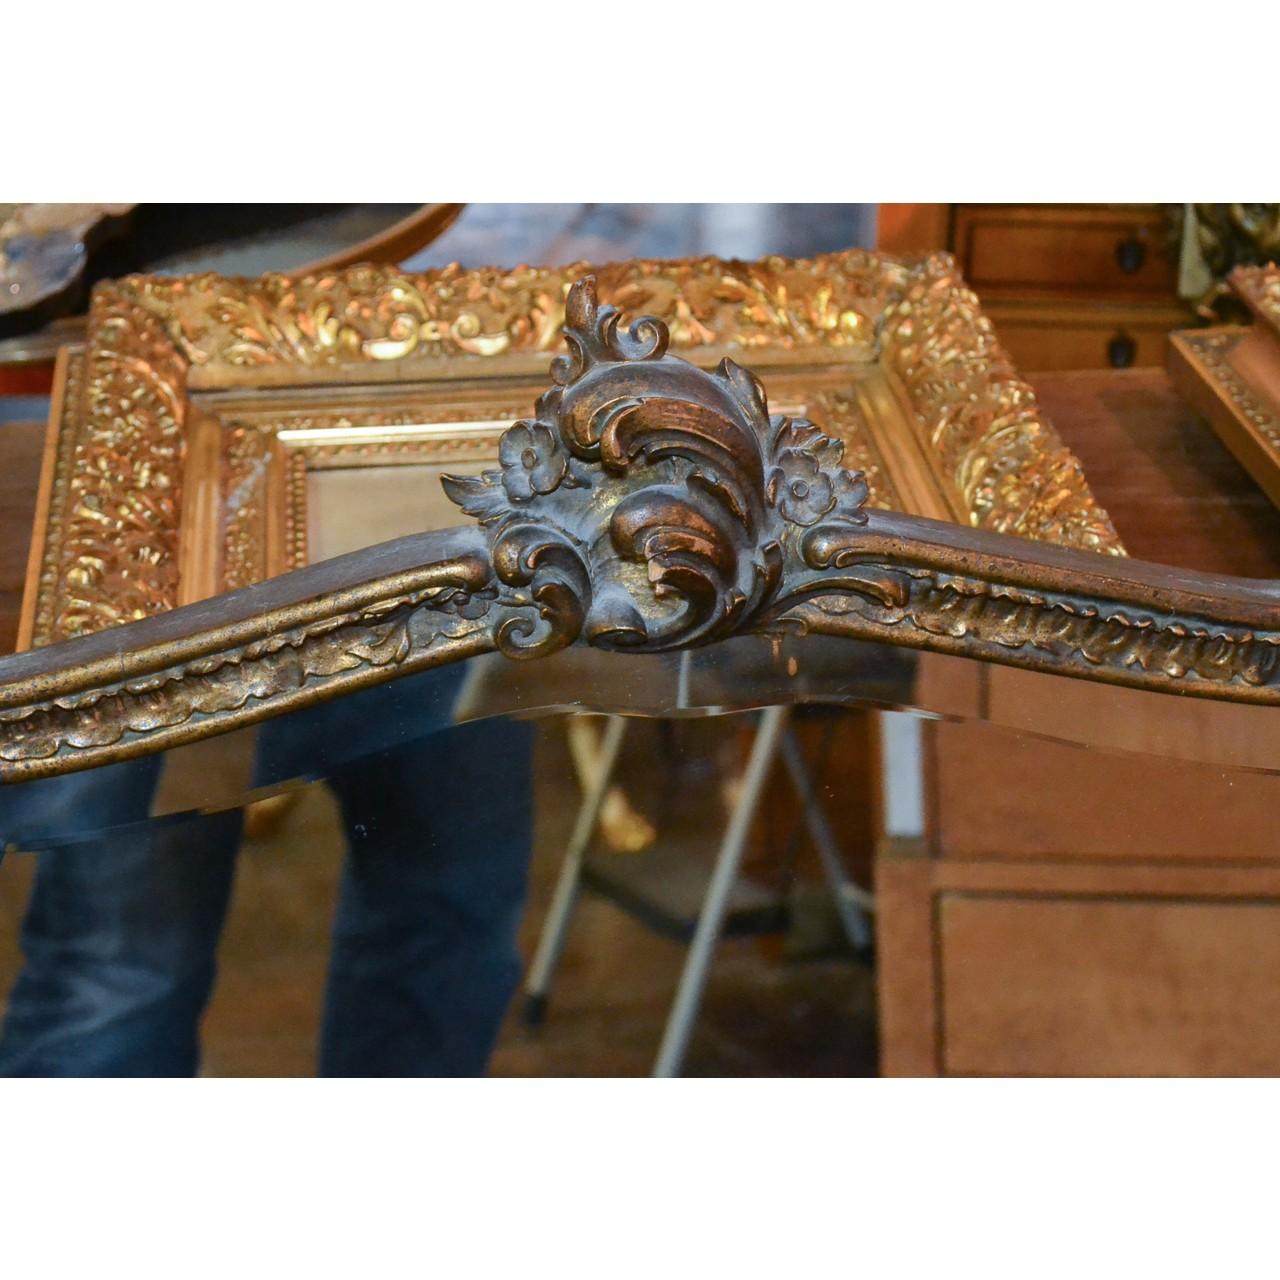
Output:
x,y
1044,339
1063,252
1090,986
998,794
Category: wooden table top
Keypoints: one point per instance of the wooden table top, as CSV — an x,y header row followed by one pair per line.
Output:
x,y
1175,493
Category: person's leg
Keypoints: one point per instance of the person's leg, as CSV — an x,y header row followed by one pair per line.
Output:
x,y
424,951
119,941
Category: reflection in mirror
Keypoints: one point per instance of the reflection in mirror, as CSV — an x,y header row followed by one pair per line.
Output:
x,y
665,549
741,674
408,826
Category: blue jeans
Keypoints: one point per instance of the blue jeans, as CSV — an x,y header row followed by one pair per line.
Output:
x,y
121,933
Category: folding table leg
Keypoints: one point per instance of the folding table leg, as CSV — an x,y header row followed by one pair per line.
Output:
x,y
684,1011
852,902
556,927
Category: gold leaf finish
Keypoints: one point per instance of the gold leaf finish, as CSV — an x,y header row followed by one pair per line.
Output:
x,y
112,546
1213,348
380,314
839,415
991,442
119,519
247,456
365,313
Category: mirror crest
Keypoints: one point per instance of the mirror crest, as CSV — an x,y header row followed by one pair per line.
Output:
x,y
649,504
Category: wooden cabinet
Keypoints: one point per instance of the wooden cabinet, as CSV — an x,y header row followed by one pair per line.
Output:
x,y
1082,912
1068,286
1073,911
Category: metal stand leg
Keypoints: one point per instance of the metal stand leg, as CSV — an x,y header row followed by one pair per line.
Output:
x,y
851,901
556,926
623,828
693,979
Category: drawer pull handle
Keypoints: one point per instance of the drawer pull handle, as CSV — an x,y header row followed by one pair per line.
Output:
x,y
1131,254
1121,351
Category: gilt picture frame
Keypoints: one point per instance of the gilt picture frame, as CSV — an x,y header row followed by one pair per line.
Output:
x,y
1231,375
187,433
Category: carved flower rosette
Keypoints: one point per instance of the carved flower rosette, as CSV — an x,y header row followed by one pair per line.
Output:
x,y
648,505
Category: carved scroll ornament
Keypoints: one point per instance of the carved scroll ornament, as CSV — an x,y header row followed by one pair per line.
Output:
x,y
647,505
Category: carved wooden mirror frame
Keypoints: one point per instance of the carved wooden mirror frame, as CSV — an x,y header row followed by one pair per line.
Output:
x,y
648,505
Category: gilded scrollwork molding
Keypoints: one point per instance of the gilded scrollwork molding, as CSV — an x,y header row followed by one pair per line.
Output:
x,y
1006,461
247,458
839,413
49,583
379,314
118,522
1213,348
374,314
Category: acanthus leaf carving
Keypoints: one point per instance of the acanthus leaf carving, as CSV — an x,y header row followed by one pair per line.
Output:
x,y
647,504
